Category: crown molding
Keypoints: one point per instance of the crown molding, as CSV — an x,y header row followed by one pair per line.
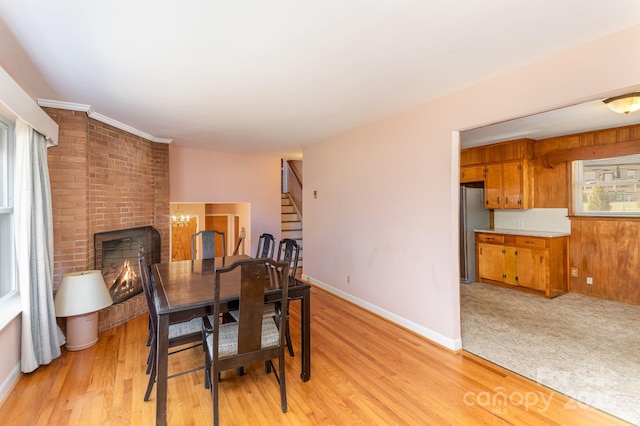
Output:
x,y
104,119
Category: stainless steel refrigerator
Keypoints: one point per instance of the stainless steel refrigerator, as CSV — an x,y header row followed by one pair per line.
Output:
x,y
473,215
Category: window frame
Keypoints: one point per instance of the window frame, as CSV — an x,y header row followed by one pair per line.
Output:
x,y
605,179
9,295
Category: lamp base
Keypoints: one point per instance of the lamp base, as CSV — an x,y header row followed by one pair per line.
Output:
x,y
82,331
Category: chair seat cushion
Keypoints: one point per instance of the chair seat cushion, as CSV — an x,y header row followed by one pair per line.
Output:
x,y
228,342
184,328
269,311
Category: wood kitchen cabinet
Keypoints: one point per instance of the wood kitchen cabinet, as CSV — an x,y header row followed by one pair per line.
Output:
x,y
506,185
533,264
490,257
472,174
506,169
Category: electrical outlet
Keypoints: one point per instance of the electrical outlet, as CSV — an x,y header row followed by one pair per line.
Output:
x,y
589,280
574,272
348,279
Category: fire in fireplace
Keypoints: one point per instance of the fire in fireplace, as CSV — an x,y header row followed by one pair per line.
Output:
x,y
116,256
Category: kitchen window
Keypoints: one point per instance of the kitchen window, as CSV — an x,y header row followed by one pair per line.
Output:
x,y
607,186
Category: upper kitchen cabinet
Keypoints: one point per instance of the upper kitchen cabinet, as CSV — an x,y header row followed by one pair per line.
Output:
x,y
505,169
472,173
506,185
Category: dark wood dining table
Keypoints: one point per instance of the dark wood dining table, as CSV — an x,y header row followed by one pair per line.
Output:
x,y
184,290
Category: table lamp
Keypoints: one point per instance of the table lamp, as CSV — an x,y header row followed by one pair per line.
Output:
x,y
79,298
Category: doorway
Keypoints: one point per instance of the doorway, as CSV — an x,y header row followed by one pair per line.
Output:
x,y
231,218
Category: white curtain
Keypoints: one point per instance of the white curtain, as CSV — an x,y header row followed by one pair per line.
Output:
x,y
34,249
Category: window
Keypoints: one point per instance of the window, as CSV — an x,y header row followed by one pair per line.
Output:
x,y
7,253
607,187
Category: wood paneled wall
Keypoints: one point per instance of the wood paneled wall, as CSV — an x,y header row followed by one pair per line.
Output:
x,y
504,151
552,184
608,251
605,249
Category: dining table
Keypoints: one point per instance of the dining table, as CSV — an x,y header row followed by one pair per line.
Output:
x,y
184,290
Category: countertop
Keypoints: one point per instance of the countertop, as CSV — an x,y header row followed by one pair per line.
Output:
x,y
526,232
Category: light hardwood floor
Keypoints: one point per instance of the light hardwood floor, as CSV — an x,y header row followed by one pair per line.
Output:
x,y
365,370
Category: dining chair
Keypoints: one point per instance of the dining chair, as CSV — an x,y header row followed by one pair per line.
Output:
x,y
288,251
180,334
253,338
208,244
266,246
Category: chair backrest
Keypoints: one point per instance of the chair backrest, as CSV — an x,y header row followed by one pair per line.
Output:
x,y
256,275
208,244
266,246
147,287
288,251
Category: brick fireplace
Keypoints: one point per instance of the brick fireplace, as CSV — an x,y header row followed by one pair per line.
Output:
x,y
104,179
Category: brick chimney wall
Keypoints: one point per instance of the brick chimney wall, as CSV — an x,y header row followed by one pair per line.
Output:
x,y
104,179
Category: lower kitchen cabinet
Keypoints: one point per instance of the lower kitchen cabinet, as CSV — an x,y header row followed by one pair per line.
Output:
x,y
533,264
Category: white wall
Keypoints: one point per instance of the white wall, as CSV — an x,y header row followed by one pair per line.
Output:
x,y
387,208
9,356
201,176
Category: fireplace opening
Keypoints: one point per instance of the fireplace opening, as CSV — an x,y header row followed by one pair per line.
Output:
x,y
116,256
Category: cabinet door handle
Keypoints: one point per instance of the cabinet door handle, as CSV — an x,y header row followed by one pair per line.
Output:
x,y
506,200
498,200
481,251
504,251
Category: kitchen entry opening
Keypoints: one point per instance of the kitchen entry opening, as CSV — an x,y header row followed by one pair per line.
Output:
x,y
231,218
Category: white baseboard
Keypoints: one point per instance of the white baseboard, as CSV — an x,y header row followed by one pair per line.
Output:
x,y
452,344
9,381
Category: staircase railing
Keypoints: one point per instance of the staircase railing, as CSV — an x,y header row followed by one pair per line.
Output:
x,y
294,181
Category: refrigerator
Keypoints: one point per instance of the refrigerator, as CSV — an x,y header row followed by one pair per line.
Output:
x,y
473,215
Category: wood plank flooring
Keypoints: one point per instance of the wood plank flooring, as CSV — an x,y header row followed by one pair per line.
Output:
x,y
365,370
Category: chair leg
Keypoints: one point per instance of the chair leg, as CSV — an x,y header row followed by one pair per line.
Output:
x,y
207,364
215,377
283,384
288,338
152,380
150,336
151,359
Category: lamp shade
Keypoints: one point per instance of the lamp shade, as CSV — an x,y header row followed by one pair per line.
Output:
x,y
624,104
80,293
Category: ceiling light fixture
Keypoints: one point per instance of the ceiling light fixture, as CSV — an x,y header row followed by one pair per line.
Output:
x,y
624,104
180,220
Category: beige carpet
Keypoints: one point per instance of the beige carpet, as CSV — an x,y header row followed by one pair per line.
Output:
x,y
583,347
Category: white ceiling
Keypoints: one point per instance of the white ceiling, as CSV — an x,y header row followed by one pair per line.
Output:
x,y
269,77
